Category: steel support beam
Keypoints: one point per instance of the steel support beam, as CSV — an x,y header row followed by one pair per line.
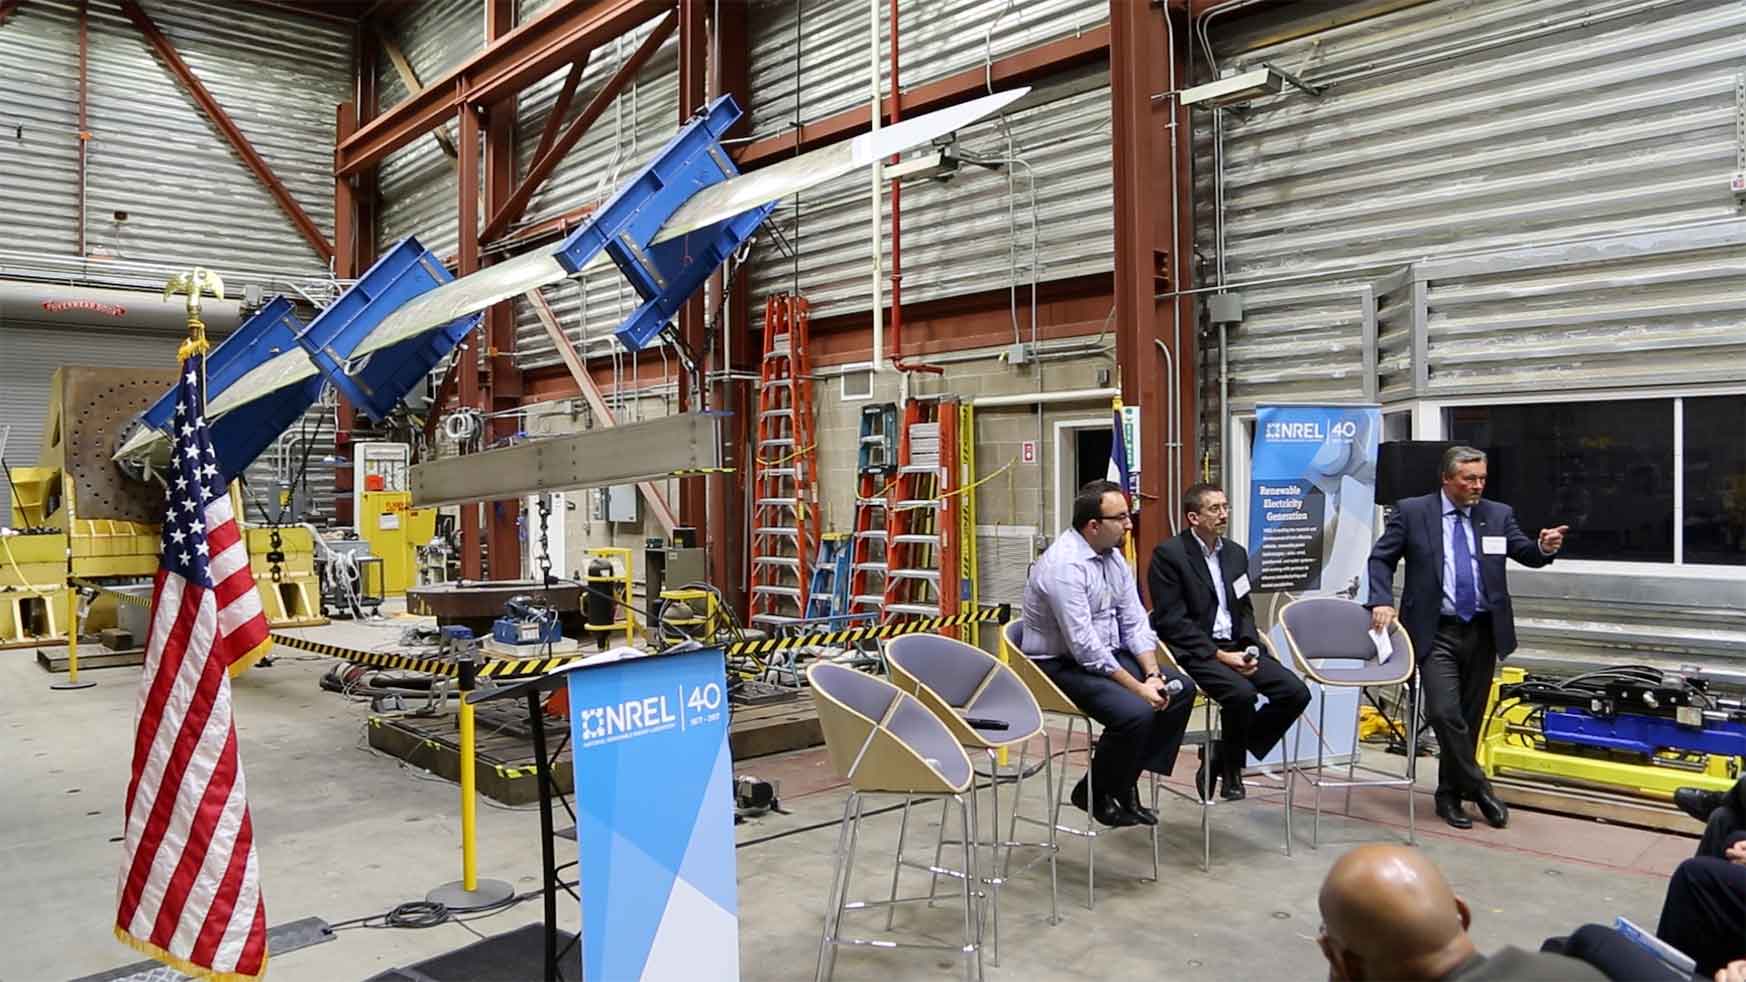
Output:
x,y
502,383
464,366
603,415
652,449
409,78
693,92
507,65
226,126
561,105
734,349
547,162
1020,68
1141,147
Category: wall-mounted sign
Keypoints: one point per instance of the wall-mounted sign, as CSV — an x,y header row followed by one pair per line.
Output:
x,y
84,306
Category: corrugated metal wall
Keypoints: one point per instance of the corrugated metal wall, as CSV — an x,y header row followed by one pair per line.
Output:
x,y
152,155
966,234
417,182
959,236
937,38
1500,138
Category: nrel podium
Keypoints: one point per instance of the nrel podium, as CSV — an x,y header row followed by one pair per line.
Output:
x,y
654,814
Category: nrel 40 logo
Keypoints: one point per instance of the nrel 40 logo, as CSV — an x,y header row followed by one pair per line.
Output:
x,y
651,714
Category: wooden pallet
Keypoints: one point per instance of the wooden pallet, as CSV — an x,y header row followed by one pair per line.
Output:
x,y
1617,809
505,768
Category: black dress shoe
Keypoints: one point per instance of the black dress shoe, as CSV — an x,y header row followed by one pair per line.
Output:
x,y
1494,810
1111,812
1206,777
1449,810
1234,790
1698,803
1077,796
1146,816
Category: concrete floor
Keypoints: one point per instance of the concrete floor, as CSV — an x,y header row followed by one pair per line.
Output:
x,y
343,832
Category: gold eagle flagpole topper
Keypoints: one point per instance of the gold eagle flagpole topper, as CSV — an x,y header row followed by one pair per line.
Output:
x,y
195,282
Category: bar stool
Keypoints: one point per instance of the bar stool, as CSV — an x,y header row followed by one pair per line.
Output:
x,y
1323,629
988,708
1203,772
882,740
1050,699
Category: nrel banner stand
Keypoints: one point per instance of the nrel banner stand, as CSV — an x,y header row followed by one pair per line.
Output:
x,y
1312,520
654,817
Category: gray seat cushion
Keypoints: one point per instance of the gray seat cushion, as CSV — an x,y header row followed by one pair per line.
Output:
x,y
951,668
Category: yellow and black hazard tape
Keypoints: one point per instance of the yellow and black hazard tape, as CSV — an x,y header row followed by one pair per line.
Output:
x,y
514,669
764,646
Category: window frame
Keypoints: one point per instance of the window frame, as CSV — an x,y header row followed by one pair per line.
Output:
x,y
1432,415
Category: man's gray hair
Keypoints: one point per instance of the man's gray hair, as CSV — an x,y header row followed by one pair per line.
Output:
x,y
1455,456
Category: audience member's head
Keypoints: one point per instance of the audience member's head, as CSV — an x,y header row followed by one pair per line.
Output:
x,y
1387,913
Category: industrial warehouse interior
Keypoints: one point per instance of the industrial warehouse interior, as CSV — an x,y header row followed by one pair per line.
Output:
x,y
819,489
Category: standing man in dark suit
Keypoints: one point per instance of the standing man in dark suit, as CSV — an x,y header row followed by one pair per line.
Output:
x,y
1456,609
1201,609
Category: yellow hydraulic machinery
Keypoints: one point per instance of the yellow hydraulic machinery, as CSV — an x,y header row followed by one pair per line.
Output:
x,y
81,516
1623,738
607,601
394,529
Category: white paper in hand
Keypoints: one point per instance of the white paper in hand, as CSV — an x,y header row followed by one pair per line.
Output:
x,y
1384,646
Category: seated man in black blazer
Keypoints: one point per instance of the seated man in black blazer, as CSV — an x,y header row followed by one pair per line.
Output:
x,y
1208,622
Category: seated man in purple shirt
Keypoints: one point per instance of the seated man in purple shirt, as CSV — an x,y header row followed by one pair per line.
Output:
x,y
1085,628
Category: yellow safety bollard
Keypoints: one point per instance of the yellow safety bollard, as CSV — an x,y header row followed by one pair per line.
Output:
x,y
469,892
72,681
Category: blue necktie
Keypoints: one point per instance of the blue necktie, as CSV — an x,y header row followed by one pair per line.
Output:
x,y
1466,599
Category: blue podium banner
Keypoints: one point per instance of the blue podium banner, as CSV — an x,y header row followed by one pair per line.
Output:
x,y
1312,505
654,818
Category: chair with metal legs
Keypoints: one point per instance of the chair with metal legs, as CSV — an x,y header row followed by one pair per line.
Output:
x,y
1324,630
988,708
884,741
1050,699
1203,774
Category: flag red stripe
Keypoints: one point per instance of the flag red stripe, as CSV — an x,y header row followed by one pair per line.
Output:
x,y
254,953
222,537
200,830
223,908
237,584
175,768
169,665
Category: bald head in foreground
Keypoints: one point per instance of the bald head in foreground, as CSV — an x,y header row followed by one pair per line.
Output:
x,y
1387,913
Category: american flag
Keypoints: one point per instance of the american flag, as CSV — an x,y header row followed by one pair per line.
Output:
x,y
189,890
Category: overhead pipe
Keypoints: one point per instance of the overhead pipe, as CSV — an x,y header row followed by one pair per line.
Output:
x,y
877,178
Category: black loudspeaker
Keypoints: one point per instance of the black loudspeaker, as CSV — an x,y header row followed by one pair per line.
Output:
x,y
1405,468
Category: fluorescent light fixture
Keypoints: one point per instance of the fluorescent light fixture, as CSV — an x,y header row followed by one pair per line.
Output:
x,y
1233,90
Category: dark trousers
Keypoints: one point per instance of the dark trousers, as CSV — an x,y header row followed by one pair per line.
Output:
x,y
1704,914
1617,956
1457,679
1135,736
1248,730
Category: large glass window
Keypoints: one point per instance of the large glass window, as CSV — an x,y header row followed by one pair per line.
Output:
x,y
1715,480
1603,468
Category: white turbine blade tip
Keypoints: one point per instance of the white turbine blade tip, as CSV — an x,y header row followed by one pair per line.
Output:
x,y
899,137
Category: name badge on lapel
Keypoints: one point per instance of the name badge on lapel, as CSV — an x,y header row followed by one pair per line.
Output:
x,y
1492,545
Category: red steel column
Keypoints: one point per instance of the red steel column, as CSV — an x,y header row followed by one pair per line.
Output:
x,y
738,353
1137,68
502,384
693,51
467,370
